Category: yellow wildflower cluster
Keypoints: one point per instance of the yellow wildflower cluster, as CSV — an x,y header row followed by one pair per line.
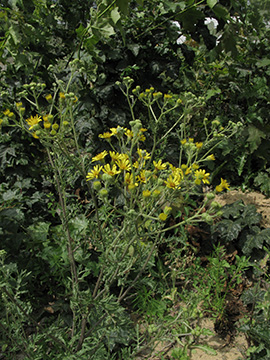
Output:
x,y
147,180
119,131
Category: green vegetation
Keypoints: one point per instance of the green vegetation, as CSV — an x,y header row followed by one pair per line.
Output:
x,y
121,122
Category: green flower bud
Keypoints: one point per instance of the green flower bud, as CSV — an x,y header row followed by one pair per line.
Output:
x,y
53,132
97,185
207,218
131,250
215,205
55,126
103,193
210,196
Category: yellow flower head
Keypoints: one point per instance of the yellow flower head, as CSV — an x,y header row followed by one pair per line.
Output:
x,y
114,156
211,157
94,174
222,186
201,176
33,120
129,133
110,170
198,145
123,164
100,156
19,105
62,96
142,177
173,181
48,97
162,216
159,165
143,154
106,135
146,193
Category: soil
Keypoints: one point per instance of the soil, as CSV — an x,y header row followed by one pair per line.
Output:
x,y
261,202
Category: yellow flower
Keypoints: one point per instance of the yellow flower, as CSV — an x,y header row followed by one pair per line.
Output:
x,y
162,217
114,156
183,142
35,135
94,173
47,125
129,181
159,165
106,135
19,105
143,154
167,96
195,166
191,140
142,177
198,145
201,176
6,112
48,97
116,131
146,193
129,133
173,181
156,193
100,156
123,164
222,186
33,120
110,170
136,165
167,210
211,157
62,96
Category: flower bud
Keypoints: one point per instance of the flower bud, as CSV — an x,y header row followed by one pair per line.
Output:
x,y
103,193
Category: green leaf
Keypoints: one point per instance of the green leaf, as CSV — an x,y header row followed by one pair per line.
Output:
x,y
263,62
211,3
221,11
107,30
115,15
206,348
123,6
254,138
212,92
39,231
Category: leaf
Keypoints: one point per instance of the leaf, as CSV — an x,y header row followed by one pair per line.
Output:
x,y
123,6
251,242
115,15
212,92
134,48
107,30
263,62
254,138
221,11
211,3
39,231
206,348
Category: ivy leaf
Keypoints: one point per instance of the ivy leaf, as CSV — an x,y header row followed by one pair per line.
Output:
x,y
254,138
123,6
263,62
211,3
220,11
115,15
212,92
